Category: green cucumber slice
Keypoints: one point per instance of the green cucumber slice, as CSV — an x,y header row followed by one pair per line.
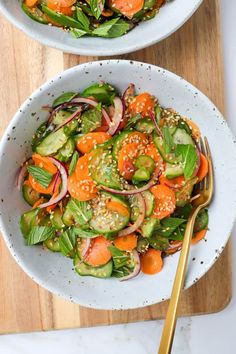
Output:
x,y
168,157
149,202
30,195
53,244
145,125
119,142
173,171
141,175
148,226
83,269
103,92
145,161
56,218
28,220
52,143
65,153
60,117
201,222
182,137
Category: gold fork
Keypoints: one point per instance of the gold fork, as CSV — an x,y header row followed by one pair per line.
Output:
x,y
204,198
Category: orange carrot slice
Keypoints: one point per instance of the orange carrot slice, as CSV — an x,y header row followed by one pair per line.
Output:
x,y
126,159
126,243
45,163
40,189
127,8
37,203
176,183
165,201
203,169
151,262
198,236
143,104
99,253
88,141
117,207
31,3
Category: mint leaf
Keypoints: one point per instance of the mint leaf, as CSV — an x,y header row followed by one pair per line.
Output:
x,y
105,27
189,158
73,162
97,7
85,233
77,33
65,97
169,226
118,29
67,242
81,211
39,234
83,19
120,258
168,140
42,176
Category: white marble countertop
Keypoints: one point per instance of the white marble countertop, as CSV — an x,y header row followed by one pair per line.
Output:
x,y
202,334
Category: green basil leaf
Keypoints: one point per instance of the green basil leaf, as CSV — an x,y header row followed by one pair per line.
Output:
x,y
42,176
73,162
96,7
39,234
67,242
81,211
189,158
83,19
65,97
83,233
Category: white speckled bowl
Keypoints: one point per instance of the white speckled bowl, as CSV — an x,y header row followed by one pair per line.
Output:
x,y
173,15
54,271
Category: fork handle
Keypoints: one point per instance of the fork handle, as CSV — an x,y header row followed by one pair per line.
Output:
x,y
171,317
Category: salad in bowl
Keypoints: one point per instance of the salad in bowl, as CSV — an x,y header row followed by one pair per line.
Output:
x,y
111,180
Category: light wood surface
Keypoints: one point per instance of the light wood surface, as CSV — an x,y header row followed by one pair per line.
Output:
x,y
193,52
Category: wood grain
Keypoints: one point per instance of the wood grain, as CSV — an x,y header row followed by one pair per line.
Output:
x,y
193,52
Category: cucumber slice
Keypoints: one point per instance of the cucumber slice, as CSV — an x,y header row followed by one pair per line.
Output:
x,y
30,195
134,208
90,120
145,161
56,218
159,242
103,92
35,13
40,133
65,153
52,244
148,226
149,202
71,127
52,143
142,245
28,220
168,157
103,170
112,221
141,175
182,137
67,218
201,222
145,126
173,171
60,117
83,269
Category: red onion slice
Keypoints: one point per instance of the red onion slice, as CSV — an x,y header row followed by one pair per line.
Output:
x,y
70,118
176,245
86,248
64,187
142,211
55,182
59,108
128,94
153,118
21,174
136,269
117,117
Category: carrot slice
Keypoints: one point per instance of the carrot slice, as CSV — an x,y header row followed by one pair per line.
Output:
x,y
143,103
40,189
53,206
127,157
198,236
203,169
176,183
126,243
151,262
62,6
80,184
99,253
117,207
88,141
165,201
127,8
38,202
31,3
45,163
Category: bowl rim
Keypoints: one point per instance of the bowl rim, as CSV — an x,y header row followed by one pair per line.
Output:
x,y
133,47
15,119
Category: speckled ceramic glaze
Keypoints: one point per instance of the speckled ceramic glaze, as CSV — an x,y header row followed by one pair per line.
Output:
x,y
173,15
54,271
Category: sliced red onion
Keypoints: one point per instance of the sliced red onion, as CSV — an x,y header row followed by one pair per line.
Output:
x,y
153,118
176,245
117,117
70,118
86,248
64,187
59,108
55,182
21,174
136,269
131,191
128,94
142,211
93,103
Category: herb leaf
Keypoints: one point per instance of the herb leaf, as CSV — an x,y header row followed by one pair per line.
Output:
x,y
104,28
133,120
97,7
120,258
39,234
67,242
118,29
81,211
73,162
168,140
83,19
85,233
42,176
65,97
77,33
168,226
189,158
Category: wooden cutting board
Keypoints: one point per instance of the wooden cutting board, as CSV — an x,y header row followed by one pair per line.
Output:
x,y
193,52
